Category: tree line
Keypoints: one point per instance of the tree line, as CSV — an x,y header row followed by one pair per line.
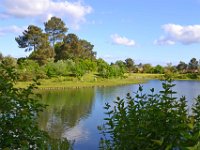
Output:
x,y
53,52
29,69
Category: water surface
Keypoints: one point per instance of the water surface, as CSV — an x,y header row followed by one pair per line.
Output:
x,y
76,113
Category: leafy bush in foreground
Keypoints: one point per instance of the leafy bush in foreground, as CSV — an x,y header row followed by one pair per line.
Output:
x,y
18,114
153,122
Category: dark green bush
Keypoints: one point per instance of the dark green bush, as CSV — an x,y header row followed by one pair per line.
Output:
x,y
151,122
19,110
192,75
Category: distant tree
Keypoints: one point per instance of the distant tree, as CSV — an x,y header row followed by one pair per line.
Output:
x,y
56,29
103,67
32,39
182,67
147,68
158,69
129,64
139,68
89,65
73,48
120,63
170,68
86,50
1,56
193,65
68,49
9,61
29,69
42,55
78,70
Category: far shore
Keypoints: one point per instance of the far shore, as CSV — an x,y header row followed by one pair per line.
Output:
x,y
90,80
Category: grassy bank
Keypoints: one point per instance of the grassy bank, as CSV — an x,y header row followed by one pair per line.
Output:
x,y
90,80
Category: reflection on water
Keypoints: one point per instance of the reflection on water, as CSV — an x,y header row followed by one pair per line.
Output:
x,y
66,108
76,113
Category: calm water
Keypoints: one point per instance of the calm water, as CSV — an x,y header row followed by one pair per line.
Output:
x,y
76,113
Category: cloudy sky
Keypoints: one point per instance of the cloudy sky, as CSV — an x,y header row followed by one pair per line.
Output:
x,y
154,31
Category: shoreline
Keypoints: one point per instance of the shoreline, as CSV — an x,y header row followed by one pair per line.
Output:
x,y
87,81
61,83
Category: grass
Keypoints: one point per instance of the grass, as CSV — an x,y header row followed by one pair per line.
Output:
x,y
90,80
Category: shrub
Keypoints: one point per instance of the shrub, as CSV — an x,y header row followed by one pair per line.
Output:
x,y
154,121
192,75
19,110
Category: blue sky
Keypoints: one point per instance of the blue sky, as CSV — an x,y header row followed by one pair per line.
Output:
x,y
148,31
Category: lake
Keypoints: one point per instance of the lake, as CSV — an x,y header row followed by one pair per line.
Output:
x,y
76,113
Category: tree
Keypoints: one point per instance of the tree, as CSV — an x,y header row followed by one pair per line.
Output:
x,y
9,61
120,63
1,56
182,67
170,68
32,39
193,65
147,68
158,69
129,64
85,50
56,29
74,48
42,55
68,49
29,70
103,68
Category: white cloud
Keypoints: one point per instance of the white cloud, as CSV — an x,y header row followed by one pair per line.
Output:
x,y
11,29
179,34
120,40
164,41
25,8
73,12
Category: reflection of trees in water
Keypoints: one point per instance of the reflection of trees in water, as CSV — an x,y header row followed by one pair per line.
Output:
x,y
66,108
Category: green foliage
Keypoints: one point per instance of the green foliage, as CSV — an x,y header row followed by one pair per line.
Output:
x,y
129,64
1,56
59,68
68,49
56,29
9,61
182,67
32,38
192,75
90,65
109,71
42,55
74,48
158,69
19,110
193,65
29,69
86,50
153,121
147,68
78,70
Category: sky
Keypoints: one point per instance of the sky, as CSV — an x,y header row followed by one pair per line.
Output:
x,y
148,31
